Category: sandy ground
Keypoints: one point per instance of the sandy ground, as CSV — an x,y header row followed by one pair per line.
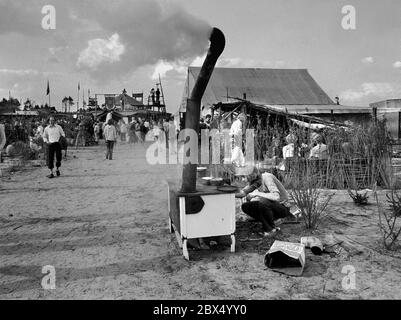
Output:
x,y
103,226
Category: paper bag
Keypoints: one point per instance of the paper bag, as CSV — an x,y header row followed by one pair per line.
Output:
x,y
286,257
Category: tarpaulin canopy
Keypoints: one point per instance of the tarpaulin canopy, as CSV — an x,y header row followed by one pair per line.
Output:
x,y
313,126
115,115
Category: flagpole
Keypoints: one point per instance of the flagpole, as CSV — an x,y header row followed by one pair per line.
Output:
x,y
48,92
78,98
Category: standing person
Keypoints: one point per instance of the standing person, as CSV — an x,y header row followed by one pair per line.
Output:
x,y
131,132
123,131
320,150
156,131
158,96
152,95
289,149
80,135
2,136
267,200
208,120
147,124
139,130
110,135
144,131
97,132
52,134
237,157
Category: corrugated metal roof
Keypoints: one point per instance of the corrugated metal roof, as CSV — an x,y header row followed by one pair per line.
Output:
x,y
263,86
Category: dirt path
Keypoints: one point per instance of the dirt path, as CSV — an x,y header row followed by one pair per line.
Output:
x,y
103,226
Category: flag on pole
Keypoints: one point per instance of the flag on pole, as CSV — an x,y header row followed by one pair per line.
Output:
x,y
48,88
79,86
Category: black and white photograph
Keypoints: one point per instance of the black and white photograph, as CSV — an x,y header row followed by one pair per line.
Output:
x,y
200,150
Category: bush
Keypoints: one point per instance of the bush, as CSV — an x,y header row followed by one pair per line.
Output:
x,y
305,191
390,219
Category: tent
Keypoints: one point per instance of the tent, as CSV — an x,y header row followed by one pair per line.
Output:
x,y
260,85
115,115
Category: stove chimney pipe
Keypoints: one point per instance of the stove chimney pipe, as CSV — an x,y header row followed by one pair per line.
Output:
x,y
192,116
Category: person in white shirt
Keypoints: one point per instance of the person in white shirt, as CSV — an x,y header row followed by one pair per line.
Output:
x,y
110,135
320,150
123,131
3,139
237,156
288,150
51,135
156,131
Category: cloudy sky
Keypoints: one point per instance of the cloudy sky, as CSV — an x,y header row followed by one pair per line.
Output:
x,y
108,46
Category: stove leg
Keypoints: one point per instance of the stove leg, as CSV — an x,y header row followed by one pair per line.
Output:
x,y
232,243
185,249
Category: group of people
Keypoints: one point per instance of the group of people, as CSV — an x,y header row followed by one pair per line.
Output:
x,y
313,147
132,132
155,96
315,150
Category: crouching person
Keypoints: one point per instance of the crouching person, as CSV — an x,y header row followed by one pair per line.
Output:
x,y
267,200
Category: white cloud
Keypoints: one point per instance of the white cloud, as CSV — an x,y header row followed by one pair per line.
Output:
x,y
350,95
377,88
368,60
198,61
163,67
101,51
397,64
371,89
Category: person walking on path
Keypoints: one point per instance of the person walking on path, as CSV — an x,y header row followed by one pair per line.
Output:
x,y
3,139
81,135
139,131
51,135
123,131
110,135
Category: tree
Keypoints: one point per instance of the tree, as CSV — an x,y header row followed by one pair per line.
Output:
x,y
65,103
70,103
10,105
27,105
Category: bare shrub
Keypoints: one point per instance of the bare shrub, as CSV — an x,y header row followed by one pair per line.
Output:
x,y
390,219
304,186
